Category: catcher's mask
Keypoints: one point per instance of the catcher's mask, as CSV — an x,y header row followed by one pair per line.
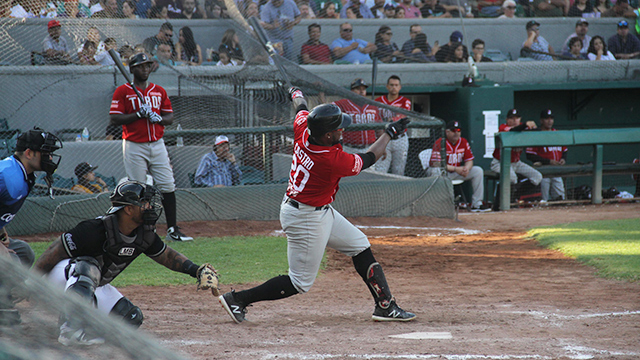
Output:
x,y
148,197
44,142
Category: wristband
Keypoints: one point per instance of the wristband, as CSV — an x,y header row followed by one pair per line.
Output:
x,y
188,267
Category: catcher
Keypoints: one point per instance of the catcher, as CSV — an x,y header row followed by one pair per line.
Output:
x,y
88,257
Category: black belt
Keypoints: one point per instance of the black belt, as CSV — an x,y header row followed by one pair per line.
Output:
x,y
296,204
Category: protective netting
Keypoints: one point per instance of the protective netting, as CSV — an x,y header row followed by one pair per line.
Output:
x,y
36,337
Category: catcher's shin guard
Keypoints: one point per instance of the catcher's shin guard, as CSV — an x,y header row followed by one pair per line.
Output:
x,y
378,285
87,273
130,313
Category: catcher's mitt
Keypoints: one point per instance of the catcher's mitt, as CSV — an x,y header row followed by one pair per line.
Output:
x,y
208,279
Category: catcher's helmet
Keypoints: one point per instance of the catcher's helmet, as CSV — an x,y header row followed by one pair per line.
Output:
x,y
137,59
136,193
326,118
37,139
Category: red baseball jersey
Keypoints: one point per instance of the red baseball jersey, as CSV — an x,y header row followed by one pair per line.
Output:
x,y
457,154
125,101
515,152
316,170
548,152
361,115
401,102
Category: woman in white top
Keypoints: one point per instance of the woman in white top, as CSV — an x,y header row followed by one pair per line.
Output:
x,y
598,49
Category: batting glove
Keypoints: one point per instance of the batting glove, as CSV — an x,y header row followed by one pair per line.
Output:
x,y
145,111
155,118
394,129
294,93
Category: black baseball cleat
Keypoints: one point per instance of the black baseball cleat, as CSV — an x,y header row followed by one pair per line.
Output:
x,y
234,308
392,313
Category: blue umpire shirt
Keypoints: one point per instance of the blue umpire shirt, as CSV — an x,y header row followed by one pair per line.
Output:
x,y
213,171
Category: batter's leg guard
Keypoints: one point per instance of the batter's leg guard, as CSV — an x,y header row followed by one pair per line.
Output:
x,y
378,285
130,313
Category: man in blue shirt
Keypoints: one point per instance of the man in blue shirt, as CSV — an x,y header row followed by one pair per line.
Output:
x,y
279,17
218,168
34,152
355,51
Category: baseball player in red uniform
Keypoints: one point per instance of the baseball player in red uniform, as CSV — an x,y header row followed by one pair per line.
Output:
x,y
309,220
517,166
354,141
460,164
549,155
396,154
142,130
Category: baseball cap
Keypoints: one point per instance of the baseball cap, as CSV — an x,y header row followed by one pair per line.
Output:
x,y
547,113
508,3
453,125
456,36
53,23
532,23
513,113
221,139
389,7
357,83
623,23
83,168
582,21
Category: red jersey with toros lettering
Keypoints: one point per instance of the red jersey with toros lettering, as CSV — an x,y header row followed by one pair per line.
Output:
x,y
515,152
125,101
457,154
548,152
316,170
360,115
401,102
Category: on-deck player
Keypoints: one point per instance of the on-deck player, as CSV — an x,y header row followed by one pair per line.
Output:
x,y
143,125
311,223
396,154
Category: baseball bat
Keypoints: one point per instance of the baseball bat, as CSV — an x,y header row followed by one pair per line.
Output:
x,y
125,73
374,77
264,39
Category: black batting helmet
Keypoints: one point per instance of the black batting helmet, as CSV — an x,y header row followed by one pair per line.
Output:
x,y
139,58
326,118
139,194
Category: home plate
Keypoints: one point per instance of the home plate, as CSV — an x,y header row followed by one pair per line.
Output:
x,y
423,335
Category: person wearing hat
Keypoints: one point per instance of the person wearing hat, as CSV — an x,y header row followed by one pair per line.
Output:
x,y
622,45
389,11
88,182
551,188
550,8
517,167
582,27
539,46
445,50
143,124
508,10
460,164
346,48
356,141
55,48
218,168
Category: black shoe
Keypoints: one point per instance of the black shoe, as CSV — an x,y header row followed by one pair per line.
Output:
x,y
481,208
9,317
392,313
234,308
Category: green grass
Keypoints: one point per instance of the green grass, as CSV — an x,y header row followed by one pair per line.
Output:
x,y
237,259
612,247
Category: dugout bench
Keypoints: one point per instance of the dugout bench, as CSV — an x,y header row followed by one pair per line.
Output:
x,y
597,138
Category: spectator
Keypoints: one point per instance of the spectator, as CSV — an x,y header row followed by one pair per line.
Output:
x,y
93,34
540,48
143,7
174,9
357,141
329,11
346,48
623,45
517,166
399,13
410,11
305,11
110,11
164,36
457,11
417,50
251,9
189,11
460,164
129,10
158,12
56,51
378,9
279,17
387,51
395,157
164,56
231,43
353,13
489,8
103,58
575,50
359,8
456,54
88,53
218,168
189,52
225,59
433,9
125,51
88,182
551,188
314,51
601,6
477,48
445,50
34,9
598,50
580,8
389,11
582,27
550,8
508,10
620,9
73,9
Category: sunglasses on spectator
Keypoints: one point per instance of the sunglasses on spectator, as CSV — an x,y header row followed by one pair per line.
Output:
x,y
347,30
511,7
388,33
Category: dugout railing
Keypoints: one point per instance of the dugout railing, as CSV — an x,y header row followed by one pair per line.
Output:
x,y
505,141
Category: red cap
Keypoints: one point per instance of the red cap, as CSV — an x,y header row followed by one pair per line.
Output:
x,y
53,23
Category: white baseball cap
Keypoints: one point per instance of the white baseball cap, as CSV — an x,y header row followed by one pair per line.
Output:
x,y
221,139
